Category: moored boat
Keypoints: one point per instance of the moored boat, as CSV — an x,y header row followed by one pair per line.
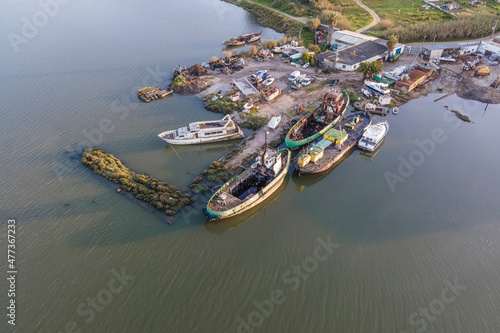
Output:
x,y
373,136
204,132
252,186
335,144
243,39
317,122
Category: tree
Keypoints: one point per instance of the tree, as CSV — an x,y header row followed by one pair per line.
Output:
x,y
314,48
391,43
253,50
369,69
313,24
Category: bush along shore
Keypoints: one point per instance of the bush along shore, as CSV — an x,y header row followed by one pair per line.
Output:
x,y
160,195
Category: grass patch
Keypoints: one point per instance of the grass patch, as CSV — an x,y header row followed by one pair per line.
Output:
x,y
403,11
222,104
321,85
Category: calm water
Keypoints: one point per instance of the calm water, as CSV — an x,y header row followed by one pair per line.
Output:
x,y
394,247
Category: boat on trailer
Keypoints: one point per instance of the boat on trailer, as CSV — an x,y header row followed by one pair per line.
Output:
x,y
327,151
317,122
252,187
204,132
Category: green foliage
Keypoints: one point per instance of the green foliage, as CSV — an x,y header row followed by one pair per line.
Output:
x,y
222,104
369,69
391,42
313,23
308,58
269,44
254,122
314,48
179,81
158,194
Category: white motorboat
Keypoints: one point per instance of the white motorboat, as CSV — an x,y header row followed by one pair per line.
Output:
x,y
294,76
307,81
306,65
378,87
373,136
274,122
268,81
301,78
204,132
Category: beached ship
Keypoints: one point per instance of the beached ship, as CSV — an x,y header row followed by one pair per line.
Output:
x,y
204,132
252,187
373,136
317,122
243,39
335,144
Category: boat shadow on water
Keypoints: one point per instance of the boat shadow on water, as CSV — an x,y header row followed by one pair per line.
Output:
x,y
369,155
303,181
218,227
200,149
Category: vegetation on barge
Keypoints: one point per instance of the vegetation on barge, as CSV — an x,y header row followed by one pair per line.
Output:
x,y
160,195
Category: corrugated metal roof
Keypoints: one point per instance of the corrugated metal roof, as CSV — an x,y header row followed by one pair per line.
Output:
x,y
443,46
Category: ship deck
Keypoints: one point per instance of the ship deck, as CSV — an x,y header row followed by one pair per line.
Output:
x,y
333,153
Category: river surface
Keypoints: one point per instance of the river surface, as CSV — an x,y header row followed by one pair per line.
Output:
x,y
403,240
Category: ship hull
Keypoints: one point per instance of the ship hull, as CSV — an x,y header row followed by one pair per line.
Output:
x,y
266,192
234,136
295,144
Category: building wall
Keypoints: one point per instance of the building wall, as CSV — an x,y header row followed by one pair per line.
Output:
x,y
350,68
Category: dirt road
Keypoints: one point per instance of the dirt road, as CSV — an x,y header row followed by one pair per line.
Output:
x,y
376,18
298,19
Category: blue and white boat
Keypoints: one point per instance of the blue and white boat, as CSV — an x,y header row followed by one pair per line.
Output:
x,y
378,87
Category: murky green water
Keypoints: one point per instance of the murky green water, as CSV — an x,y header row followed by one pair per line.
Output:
x,y
395,248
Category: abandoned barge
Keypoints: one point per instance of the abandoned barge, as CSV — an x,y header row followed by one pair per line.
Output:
x,y
243,39
335,144
317,122
149,94
252,187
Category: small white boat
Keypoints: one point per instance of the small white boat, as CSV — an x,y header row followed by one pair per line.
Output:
x,y
301,78
294,76
366,92
373,136
274,122
378,87
395,110
204,132
306,65
268,81
248,106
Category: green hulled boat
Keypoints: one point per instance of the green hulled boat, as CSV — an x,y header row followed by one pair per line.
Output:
x,y
317,122
252,187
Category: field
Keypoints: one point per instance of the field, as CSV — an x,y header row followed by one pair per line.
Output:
x,y
357,15
403,11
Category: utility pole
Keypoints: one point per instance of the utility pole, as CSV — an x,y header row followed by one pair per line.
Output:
x,y
494,28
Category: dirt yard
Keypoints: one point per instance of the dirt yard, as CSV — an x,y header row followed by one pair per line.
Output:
x,y
451,80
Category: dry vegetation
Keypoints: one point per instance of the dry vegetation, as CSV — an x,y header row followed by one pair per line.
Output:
x,y
462,27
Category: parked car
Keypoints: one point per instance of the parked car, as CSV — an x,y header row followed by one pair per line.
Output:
x,y
333,82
